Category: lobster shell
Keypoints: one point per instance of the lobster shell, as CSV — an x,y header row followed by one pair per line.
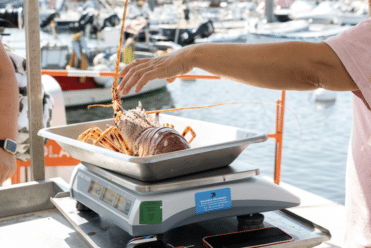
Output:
x,y
157,140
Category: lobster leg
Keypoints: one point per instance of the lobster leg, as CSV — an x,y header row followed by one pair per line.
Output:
x,y
85,135
187,130
118,137
168,125
89,134
94,135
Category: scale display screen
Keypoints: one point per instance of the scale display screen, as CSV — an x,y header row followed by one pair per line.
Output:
x,y
95,189
122,204
108,196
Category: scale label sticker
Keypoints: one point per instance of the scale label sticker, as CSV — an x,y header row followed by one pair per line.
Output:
x,y
213,200
150,212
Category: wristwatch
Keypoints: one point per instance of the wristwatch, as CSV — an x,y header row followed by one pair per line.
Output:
x,y
8,145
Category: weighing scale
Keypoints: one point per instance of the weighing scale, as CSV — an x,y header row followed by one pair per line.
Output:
x,y
182,196
147,208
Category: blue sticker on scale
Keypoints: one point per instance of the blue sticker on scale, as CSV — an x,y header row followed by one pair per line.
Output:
x,y
213,200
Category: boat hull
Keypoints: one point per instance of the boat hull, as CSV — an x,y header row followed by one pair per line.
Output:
x,y
85,93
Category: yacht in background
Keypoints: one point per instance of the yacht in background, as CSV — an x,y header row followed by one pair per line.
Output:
x,y
284,11
297,30
308,21
335,12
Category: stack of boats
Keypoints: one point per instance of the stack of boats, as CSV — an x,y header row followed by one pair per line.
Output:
x,y
333,12
308,20
172,25
294,30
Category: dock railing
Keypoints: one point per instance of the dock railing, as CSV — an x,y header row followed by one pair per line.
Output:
x,y
278,136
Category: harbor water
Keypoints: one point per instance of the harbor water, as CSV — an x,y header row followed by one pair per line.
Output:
x,y
316,135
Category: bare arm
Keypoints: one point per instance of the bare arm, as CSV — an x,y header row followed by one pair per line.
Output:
x,y
9,107
281,66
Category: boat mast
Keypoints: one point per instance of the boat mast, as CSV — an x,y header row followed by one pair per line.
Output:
x,y
34,88
269,10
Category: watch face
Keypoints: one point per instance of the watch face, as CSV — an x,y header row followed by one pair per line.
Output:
x,y
11,146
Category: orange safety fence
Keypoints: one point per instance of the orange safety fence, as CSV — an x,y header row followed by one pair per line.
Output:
x,y
85,73
278,136
54,156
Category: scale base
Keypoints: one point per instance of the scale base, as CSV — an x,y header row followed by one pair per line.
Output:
x,y
101,232
142,208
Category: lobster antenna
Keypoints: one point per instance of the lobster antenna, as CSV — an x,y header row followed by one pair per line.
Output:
x,y
227,103
116,99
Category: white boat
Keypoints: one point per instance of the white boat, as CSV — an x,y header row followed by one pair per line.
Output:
x,y
261,27
333,12
296,30
227,36
316,33
55,54
353,12
78,90
284,13
325,13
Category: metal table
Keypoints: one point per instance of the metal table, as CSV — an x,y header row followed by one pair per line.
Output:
x,y
99,232
28,218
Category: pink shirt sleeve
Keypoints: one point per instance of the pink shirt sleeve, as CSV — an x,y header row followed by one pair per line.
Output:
x,y
353,47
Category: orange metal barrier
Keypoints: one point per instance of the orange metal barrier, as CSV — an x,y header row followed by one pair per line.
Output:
x,y
85,73
278,135
54,156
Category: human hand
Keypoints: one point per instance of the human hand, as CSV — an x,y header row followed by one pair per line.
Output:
x,y
139,72
8,165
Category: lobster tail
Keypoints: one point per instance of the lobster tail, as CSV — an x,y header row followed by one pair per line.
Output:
x,y
159,140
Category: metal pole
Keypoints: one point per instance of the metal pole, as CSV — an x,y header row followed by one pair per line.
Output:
x,y
281,117
269,10
34,90
278,136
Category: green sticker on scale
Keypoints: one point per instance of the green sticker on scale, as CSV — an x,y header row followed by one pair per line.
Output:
x,y
150,212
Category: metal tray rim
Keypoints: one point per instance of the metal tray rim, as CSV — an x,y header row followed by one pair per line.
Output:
x,y
46,133
153,158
